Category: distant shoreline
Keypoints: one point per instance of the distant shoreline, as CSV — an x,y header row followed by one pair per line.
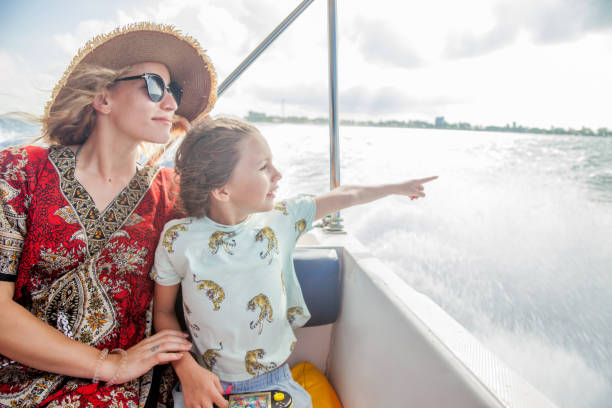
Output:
x,y
439,123
21,127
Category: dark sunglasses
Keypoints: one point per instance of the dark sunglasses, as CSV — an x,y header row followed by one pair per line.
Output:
x,y
156,87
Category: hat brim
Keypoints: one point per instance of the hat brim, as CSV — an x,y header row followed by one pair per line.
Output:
x,y
187,62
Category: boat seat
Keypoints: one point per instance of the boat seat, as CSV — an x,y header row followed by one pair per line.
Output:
x,y
318,271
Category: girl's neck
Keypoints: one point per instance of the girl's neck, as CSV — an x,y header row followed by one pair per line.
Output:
x,y
223,214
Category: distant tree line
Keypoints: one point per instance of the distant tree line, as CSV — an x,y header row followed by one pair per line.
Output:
x,y
439,123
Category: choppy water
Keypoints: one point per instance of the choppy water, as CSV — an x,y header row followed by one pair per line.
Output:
x,y
513,240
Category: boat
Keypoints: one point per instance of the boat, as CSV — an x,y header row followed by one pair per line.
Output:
x,y
379,342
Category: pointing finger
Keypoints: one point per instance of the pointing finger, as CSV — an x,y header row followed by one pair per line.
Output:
x,y
426,179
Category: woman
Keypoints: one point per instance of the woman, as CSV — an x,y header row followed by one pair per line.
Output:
x,y
80,220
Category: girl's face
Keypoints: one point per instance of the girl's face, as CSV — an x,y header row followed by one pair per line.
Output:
x,y
254,180
133,114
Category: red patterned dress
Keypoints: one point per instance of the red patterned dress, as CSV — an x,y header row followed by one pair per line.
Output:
x,y
80,270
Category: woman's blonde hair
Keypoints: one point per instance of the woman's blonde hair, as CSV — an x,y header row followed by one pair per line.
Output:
x,y
73,117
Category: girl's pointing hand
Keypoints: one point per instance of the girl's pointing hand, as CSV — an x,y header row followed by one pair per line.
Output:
x,y
414,188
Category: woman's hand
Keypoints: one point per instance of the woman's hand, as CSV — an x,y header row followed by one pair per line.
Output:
x,y
201,388
161,348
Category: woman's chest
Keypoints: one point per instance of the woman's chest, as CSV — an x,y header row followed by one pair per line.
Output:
x,y
64,228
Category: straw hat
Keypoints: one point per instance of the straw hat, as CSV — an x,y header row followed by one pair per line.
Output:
x,y
187,62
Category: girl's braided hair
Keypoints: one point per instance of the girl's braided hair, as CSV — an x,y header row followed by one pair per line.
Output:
x,y
206,159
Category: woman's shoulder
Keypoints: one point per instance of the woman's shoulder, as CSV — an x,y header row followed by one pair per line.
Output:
x,y
166,173
163,177
28,152
164,182
22,162
163,188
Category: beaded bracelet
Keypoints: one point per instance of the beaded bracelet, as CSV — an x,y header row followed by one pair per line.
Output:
x,y
122,363
103,355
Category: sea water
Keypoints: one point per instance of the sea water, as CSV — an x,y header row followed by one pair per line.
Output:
x,y
514,240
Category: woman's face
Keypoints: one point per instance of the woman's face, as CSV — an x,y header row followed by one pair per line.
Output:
x,y
133,114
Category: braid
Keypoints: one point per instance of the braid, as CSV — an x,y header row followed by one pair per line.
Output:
x,y
206,159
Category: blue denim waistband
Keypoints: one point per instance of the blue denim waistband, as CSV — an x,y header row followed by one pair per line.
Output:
x,y
263,381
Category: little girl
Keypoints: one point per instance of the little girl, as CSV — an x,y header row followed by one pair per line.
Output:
x,y
233,257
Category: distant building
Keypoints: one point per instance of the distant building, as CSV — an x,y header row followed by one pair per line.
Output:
x,y
440,122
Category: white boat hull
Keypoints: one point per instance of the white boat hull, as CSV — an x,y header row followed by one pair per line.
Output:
x,y
393,347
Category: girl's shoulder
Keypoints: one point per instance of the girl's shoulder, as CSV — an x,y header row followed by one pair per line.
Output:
x,y
294,207
178,224
173,232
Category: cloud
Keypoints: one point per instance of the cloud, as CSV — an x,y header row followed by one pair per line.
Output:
x,y
378,41
70,42
560,21
599,16
260,18
220,30
391,57
361,99
389,100
33,87
546,22
358,100
311,96
467,44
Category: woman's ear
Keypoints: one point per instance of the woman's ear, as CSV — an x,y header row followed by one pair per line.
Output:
x,y
220,194
101,102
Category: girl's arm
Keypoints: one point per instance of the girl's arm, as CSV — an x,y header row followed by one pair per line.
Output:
x,y
30,341
164,316
200,387
348,196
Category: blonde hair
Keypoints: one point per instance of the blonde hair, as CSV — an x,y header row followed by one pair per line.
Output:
x,y
73,117
206,159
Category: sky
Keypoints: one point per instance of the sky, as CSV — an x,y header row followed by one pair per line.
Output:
x,y
488,62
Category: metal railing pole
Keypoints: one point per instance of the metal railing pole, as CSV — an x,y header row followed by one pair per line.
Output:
x,y
335,224
262,46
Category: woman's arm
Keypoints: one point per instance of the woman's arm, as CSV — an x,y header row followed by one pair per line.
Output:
x,y
348,196
30,341
200,387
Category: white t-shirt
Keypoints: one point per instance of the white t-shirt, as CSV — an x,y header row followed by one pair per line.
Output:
x,y
241,296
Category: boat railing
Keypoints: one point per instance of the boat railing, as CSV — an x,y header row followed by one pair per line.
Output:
x,y
333,223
